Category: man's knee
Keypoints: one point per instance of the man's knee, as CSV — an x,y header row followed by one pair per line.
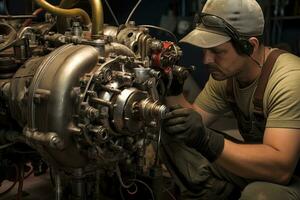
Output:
x,y
259,191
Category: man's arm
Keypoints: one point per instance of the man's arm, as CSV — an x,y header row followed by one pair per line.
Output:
x,y
207,118
273,161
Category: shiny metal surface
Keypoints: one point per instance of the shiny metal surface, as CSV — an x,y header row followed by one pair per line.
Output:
x,y
84,102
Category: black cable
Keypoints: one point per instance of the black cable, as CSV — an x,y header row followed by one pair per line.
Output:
x,y
256,62
161,29
133,10
137,181
169,193
112,13
120,178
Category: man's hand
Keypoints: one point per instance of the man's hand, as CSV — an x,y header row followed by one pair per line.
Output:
x,y
186,124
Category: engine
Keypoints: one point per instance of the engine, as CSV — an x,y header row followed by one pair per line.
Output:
x,y
84,103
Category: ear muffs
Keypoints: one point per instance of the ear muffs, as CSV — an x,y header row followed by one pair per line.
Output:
x,y
244,46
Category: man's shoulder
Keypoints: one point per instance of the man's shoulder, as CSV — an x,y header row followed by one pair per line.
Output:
x,y
287,66
287,62
283,85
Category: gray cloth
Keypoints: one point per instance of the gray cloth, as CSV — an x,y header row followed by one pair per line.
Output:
x,y
196,178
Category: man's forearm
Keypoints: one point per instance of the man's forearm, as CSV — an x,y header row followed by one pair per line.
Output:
x,y
255,161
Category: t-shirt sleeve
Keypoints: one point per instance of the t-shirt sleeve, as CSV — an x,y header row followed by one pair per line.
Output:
x,y
283,100
212,98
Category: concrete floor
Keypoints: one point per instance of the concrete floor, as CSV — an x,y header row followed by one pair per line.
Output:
x,y
34,188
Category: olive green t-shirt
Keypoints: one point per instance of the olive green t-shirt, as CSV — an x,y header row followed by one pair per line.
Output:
x,y
281,102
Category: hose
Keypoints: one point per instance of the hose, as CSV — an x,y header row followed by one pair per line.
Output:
x,y
65,12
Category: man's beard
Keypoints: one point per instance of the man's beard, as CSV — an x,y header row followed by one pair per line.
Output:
x,y
216,73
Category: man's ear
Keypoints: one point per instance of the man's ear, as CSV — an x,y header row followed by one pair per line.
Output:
x,y
254,42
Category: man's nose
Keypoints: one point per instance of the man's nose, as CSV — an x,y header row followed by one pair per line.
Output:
x,y
208,57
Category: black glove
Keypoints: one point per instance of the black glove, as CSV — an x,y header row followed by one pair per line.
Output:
x,y
186,124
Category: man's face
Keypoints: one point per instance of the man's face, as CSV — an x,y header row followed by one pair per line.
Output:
x,y
223,61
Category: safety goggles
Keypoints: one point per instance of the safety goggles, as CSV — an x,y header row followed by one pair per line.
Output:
x,y
216,23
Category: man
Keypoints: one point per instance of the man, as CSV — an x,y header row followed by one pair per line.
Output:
x,y
206,165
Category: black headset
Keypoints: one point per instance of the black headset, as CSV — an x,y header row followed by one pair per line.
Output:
x,y
241,44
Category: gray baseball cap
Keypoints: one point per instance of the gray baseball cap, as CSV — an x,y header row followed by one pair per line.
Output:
x,y
245,16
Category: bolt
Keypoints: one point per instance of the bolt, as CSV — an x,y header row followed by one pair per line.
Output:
x,y
57,143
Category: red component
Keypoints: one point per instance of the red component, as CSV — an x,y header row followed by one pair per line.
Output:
x,y
156,57
166,44
167,70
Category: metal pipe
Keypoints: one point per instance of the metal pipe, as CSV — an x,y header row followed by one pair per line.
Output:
x,y
65,12
61,22
68,3
118,49
58,186
78,184
35,13
23,30
97,18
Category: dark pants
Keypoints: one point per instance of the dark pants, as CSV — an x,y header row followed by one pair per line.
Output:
x,y
196,178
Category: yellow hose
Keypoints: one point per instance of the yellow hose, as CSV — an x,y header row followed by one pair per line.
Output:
x,y
68,3
97,18
65,12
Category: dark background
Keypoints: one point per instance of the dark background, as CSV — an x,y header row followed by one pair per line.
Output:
x,y
282,22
